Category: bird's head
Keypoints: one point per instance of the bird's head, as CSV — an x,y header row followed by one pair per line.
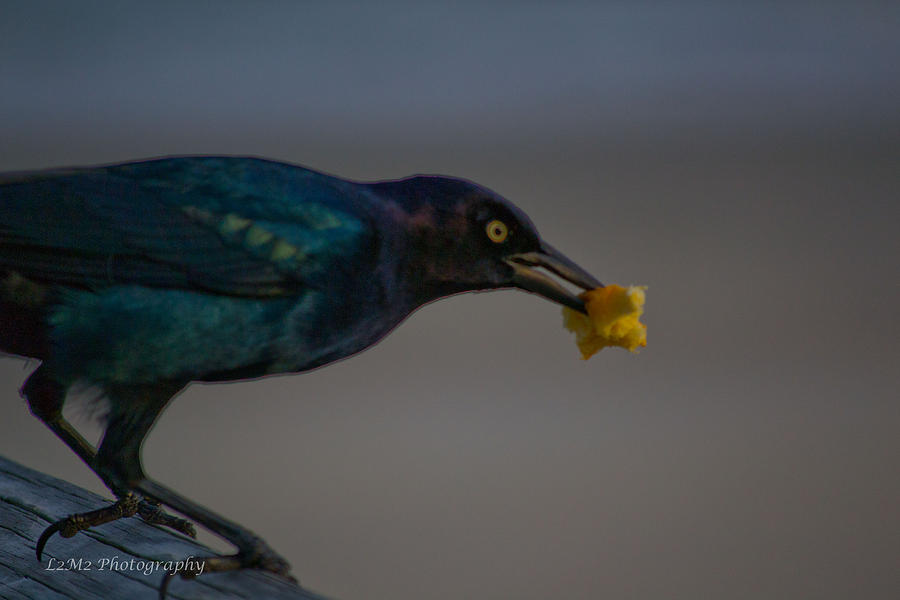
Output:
x,y
459,237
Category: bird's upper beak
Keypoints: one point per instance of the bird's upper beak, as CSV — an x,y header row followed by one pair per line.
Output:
x,y
527,277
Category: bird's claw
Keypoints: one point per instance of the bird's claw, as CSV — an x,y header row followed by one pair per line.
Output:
x,y
260,557
127,505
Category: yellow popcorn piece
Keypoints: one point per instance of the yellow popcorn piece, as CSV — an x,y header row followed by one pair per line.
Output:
x,y
612,319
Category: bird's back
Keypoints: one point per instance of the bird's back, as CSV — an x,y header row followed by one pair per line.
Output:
x,y
213,265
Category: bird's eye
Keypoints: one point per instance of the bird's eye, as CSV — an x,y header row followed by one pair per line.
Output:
x,y
497,231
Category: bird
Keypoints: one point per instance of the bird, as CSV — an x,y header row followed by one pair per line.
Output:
x,y
138,278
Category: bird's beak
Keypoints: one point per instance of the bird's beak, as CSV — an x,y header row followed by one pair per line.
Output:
x,y
527,277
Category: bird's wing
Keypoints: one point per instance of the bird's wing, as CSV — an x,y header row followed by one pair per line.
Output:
x,y
180,223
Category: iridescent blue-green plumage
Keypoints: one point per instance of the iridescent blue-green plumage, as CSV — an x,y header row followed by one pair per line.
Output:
x,y
216,268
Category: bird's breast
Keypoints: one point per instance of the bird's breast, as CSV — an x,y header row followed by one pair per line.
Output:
x,y
132,334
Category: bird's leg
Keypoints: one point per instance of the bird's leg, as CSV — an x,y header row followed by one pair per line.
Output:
x,y
134,410
45,398
253,552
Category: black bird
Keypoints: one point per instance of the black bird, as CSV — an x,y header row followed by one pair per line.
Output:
x,y
139,278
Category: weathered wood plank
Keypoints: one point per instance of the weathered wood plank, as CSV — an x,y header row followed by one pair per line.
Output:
x,y
30,500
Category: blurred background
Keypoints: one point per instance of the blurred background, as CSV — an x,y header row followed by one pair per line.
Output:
x,y
740,159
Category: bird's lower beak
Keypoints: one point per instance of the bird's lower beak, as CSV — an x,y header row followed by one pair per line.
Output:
x,y
527,277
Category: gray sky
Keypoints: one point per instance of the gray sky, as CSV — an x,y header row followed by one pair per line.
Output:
x,y
739,159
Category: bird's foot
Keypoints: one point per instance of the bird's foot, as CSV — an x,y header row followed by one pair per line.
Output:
x,y
125,506
128,505
259,556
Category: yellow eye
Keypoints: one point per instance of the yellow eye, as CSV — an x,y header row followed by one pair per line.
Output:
x,y
497,231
